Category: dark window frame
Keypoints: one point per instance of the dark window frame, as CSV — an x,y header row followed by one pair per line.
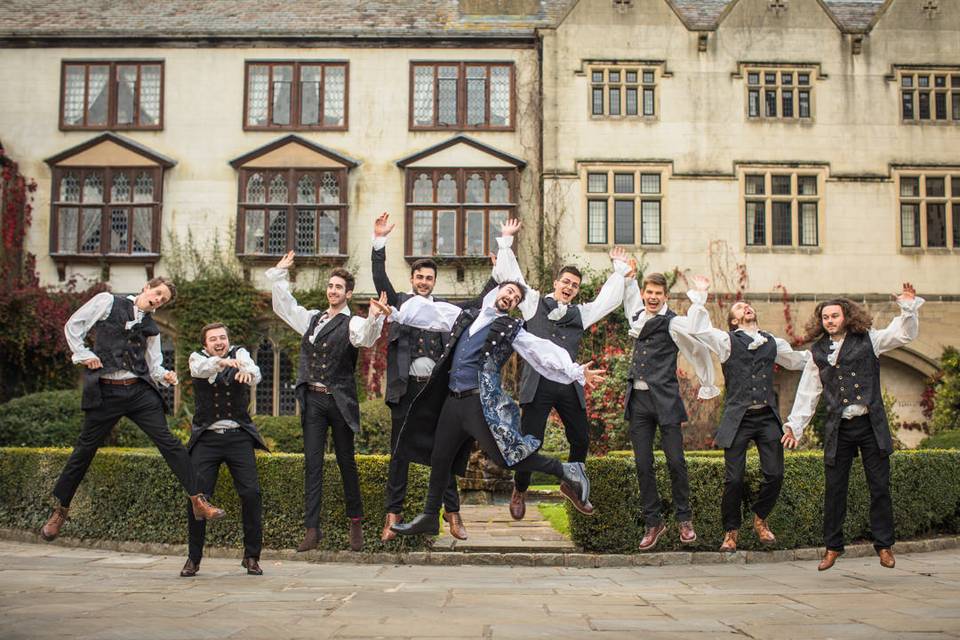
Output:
x,y
637,196
112,95
295,101
771,201
924,101
461,124
762,94
921,202
640,85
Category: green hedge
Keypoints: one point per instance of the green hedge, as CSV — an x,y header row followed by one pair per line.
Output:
x,y
942,440
925,487
132,495
283,433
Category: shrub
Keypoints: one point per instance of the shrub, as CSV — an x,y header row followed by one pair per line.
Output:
x,y
284,433
946,394
942,440
925,487
54,418
132,495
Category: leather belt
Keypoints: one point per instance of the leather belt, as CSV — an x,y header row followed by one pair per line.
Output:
x,y
756,409
123,382
317,387
418,378
465,394
221,430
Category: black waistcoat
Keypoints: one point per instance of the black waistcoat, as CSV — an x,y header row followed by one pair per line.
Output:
x,y
119,348
855,379
565,332
405,345
225,399
748,377
331,360
655,362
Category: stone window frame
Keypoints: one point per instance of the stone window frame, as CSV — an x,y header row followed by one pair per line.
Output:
x,y
768,198
462,82
296,83
112,88
640,76
937,81
919,198
756,80
637,196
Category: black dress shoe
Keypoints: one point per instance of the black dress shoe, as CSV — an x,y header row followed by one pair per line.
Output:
x,y
252,565
189,569
423,524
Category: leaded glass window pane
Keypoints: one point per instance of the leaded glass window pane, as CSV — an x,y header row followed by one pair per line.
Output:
x,y
447,95
497,218
474,235
253,231
150,94
447,189
650,183
446,233
808,224
807,185
330,232
329,188
631,95
98,95
67,229
282,84
423,188
475,190
499,189
119,222
781,224
476,97
597,221
596,183
936,224
935,187
423,96
306,232
334,96
75,82
278,193
500,96
422,233
277,233
650,222
306,190
597,101
623,222
255,189
780,185
613,103
264,392
754,185
70,188
648,104
623,183
756,223
90,231
310,76
287,400
910,187
120,190
956,226
93,188
258,92
910,225
143,230
126,93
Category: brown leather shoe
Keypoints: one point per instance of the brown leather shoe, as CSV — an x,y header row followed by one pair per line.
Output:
x,y
764,534
687,533
252,565
388,534
51,529
730,541
829,559
190,569
573,495
518,504
455,522
356,534
652,537
310,540
203,510
887,561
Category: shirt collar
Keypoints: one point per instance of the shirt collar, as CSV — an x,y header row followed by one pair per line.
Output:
x,y
345,311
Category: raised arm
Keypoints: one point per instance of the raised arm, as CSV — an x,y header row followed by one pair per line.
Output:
x,y
610,295
284,304
507,268
903,329
553,362
365,331
431,315
378,258
632,302
790,359
697,355
698,321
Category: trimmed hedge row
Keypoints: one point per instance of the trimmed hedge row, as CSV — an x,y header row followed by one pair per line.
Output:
x,y
132,495
925,488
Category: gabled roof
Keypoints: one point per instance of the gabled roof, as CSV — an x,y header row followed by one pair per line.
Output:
x,y
294,139
856,15
110,137
700,15
466,140
851,16
258,19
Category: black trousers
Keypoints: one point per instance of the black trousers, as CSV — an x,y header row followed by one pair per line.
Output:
x,y
562,397
233,447
318,414
762,428
643,429
399,468
142,404
460,420
855,434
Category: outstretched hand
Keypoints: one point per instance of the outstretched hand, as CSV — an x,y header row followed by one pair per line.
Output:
x,y
618,254
286,261
382,225
632,273
379,306
510,227
908,293
593,376
700,282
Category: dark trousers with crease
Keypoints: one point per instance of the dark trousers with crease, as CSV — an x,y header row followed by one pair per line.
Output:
x,y
759,426
857,434
235,448
142,404
399,469
460,420
643,428
562,397
319,414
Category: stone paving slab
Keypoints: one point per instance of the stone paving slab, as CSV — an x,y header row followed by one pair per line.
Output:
x,y
48,591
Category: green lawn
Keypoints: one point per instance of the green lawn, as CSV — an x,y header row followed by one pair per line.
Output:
x,y
556,515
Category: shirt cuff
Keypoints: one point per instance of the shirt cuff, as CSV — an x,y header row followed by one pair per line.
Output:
x,y
275,274
379,242
504,242
910,307
80,356
579,376
707,392
621,267
697,297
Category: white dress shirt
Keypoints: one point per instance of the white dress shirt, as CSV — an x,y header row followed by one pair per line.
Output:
x,y
901,331
679,329
549,360
363,331
608,298
203,365
96,309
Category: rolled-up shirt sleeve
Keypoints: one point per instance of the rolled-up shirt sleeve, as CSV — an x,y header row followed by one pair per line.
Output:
x,y
549,360
155,360
202,366
247,365
365,331
805,402
702,329
507,268
95,309
285,305
431,315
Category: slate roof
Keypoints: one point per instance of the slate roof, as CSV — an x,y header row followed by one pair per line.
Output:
x,y
852,15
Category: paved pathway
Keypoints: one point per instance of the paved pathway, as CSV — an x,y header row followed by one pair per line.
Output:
x,y
491,529
58,592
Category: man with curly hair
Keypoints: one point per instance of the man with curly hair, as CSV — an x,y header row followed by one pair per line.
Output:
x,y
845,369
